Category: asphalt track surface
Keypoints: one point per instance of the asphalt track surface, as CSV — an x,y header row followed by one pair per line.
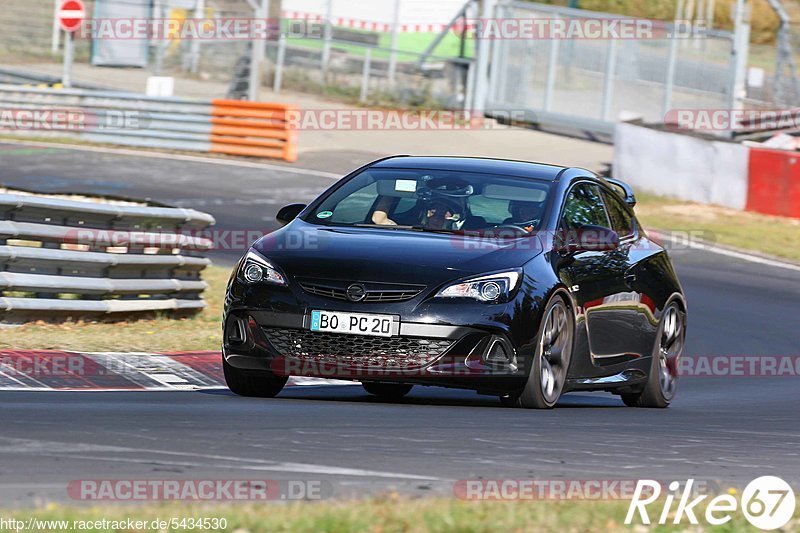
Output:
x,y
720,429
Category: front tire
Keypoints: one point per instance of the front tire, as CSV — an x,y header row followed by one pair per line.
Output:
x,y
548,372
252,383
387,391
663,379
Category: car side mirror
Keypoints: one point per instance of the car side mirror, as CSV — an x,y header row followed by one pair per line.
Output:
x,y
589,239
289,213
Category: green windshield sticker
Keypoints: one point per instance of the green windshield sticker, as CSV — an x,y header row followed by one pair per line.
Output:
x,y
325,214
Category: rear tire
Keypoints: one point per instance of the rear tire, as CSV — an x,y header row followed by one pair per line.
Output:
x,y
662,381
252,383
548,371
387,391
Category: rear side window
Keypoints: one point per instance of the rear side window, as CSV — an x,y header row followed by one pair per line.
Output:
x,y
584,207
621,219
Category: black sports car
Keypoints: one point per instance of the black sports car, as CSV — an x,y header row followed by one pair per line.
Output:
x,y
515,279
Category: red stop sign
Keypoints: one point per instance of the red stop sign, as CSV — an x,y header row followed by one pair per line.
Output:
x,y
70,15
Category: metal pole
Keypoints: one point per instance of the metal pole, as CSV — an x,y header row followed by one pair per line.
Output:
x,y
365,76
276,85
393,46
199,13
326,43
741,46
257,55
672,62
498,60
56,35
69,47
552,72
469,91
483,61
784,58
710,13
159,10
608,86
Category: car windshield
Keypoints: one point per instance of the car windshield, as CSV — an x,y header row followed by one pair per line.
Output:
x,y
436,201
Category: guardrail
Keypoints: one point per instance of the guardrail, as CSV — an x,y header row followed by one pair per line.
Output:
x,y
74,258
254,129
214,126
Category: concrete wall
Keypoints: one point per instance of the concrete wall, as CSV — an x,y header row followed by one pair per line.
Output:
x,y
682,166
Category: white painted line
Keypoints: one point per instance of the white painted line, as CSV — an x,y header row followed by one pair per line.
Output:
x,y
303,381
179,157
725,251
242,464
150,389
75,450
334,471
168,378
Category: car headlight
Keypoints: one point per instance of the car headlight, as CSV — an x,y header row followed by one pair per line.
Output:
x,y
489,288
256,269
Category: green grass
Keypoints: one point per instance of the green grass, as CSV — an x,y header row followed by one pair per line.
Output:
x,y
391,514
154,333
764,234
413,43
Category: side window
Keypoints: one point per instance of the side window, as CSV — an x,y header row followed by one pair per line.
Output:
x,y
354,208
584,207
621,220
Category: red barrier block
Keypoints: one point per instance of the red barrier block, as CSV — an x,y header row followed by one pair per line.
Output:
x,y
774,182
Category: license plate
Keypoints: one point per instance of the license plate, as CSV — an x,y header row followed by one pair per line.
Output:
x,y
355,323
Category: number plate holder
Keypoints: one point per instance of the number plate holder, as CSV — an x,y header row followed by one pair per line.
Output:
x,y
343,322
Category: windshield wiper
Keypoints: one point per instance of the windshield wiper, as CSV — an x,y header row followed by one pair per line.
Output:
x,y
434,230
421,229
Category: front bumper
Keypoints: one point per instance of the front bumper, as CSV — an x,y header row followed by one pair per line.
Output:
x,y
473,357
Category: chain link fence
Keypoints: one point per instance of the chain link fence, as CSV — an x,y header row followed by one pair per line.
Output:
x,y
590,83
585,81
772,80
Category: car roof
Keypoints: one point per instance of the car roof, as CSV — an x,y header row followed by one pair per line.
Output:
x,y
520,169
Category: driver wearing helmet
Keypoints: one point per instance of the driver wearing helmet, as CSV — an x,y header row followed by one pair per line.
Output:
x,y
524,214
443,214
440,204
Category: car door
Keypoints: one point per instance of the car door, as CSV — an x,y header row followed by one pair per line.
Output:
x,y
636,305
596,279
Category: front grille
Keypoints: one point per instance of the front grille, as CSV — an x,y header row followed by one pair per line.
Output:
x,y
376,292
321,290
357,350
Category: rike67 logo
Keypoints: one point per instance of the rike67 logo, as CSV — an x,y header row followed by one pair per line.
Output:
x,y
767,503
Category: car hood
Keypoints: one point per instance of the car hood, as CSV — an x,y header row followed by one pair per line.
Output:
x,y
383,255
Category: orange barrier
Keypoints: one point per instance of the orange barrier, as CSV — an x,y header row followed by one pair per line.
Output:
x,y
774,186
256,129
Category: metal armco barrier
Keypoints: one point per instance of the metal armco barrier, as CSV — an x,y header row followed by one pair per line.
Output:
x,y
220,126
73,258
